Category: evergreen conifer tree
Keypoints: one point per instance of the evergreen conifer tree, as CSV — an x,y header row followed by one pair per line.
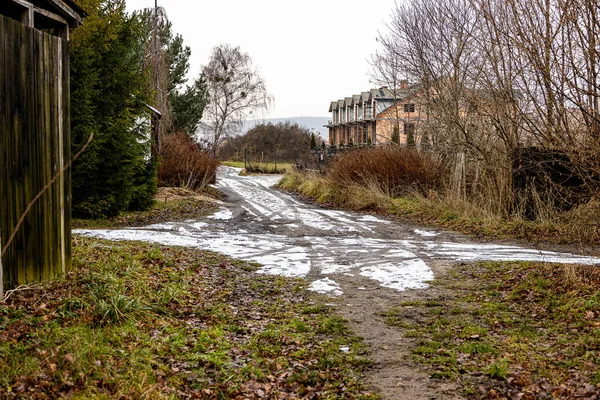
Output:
x,y
109,90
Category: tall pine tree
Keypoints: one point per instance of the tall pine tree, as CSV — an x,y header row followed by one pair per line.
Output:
x,y
109,90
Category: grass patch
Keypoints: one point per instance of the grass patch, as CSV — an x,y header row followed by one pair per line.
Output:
x,y
315,187
510,329
260,168
140,321
161,210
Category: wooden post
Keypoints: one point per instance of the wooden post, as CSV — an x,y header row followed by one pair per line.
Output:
x,y
27,17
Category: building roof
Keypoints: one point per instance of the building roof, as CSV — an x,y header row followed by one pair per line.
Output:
x,y
348,101
355,99
333,106
365,96
48,13
382,93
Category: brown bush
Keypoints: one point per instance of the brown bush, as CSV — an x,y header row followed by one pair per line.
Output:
x,y
393,169
184,163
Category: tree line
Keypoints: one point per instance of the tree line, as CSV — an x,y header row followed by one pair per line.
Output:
x,y
267,142
493,75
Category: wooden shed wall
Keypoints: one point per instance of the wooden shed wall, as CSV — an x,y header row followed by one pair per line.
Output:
x,y
34,146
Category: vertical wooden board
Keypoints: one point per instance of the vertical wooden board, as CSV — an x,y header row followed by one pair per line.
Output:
x,y
6,192
3,136
38,172
28,150
54,135
10,63
43,84
17,172
37,72
45,143
57,62
67,151
53,115
32,163
25,267
44,163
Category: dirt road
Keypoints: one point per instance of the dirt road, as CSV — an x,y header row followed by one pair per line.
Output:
x,y
366,264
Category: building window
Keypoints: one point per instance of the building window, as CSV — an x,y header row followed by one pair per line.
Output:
x,y
409,107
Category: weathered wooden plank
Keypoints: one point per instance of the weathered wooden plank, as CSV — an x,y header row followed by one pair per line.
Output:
x,y
18,245
67,151
3,136
26,269
29,162
45,138
6,80
10,192
55,151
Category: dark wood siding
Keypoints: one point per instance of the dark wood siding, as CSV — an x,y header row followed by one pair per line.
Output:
x,y
34,146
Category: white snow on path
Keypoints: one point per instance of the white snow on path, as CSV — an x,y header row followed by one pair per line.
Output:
x,y
337,242
223,214
326,286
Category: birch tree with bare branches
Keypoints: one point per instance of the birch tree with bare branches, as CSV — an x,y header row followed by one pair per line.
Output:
x,y
236,91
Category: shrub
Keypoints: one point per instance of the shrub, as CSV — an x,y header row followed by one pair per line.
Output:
x,y
395,170
184,163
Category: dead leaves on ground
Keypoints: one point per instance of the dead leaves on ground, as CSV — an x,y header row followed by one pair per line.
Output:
x,y
185,324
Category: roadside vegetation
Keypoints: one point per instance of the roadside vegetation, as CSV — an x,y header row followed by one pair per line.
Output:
x,y
509,330
185,163
170,204
139,321
415,186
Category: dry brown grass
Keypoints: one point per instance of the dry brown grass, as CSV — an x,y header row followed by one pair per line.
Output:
x,y
184,163
393,170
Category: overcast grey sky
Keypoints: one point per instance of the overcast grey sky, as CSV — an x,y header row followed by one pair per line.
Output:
x,y
309,52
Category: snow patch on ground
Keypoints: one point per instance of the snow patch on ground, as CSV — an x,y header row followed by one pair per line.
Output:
x,y
409,274
426,233
224,214
326,286
370,218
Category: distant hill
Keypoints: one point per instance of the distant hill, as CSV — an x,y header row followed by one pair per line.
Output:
x,y
311,123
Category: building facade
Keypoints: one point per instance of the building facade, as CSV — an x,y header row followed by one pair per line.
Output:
x,y
377,116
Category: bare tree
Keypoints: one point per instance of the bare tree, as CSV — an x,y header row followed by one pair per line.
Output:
x,y
497,73
155,61
235,92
